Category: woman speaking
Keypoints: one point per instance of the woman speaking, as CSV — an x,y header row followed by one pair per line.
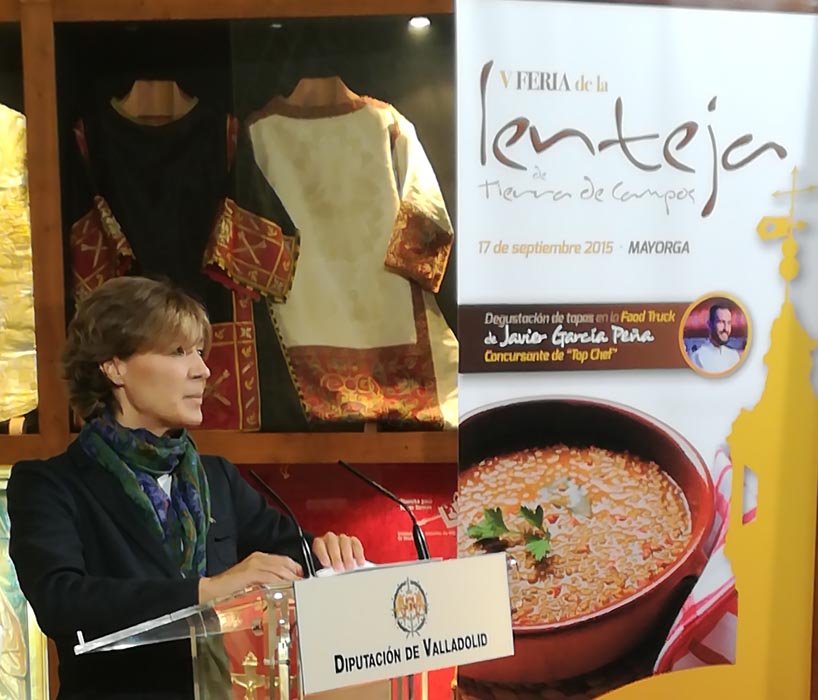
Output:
x,y
131,522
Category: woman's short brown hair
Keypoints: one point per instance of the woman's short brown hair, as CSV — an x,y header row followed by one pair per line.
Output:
x,y
124,316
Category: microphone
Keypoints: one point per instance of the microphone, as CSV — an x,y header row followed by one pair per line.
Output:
x,y
305,547
417,534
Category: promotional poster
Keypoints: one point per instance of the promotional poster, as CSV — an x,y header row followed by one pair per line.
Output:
x,y
638,293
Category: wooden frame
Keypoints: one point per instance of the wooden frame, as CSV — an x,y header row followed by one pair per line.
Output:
x,y
12,604
290,448
102,10
9,11
39,94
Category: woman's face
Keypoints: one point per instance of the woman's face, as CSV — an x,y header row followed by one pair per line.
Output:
x,y
160,391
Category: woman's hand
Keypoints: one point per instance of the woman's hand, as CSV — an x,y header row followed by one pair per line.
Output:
x,y
256,569
341,552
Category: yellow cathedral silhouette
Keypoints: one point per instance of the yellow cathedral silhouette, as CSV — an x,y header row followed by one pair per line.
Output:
x,y
772,556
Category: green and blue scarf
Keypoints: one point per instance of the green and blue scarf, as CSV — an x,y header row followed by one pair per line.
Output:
x,y
136,458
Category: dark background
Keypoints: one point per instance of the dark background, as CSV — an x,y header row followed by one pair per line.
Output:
x,y
11,66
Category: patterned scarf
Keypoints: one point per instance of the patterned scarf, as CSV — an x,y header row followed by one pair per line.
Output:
x,y
137,458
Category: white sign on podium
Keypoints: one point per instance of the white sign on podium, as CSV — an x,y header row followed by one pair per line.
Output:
x,y
384,622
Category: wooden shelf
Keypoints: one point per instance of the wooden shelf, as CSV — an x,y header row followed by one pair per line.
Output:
x,y
9,11
257,448
290,448
106,10
14,448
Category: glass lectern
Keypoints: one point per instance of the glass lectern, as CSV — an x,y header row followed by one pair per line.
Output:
x,y
244,647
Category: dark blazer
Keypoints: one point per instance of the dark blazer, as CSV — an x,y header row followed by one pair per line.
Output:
x,y
87,561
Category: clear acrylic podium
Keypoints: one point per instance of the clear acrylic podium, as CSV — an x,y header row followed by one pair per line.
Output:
x,y
369,634
244,647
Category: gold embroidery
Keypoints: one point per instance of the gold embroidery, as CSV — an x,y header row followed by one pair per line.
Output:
x,y
99,249
394,385
419,248
253,253
18,367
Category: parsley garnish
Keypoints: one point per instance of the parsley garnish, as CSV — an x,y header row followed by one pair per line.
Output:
x,y
538,545
492,527
532,517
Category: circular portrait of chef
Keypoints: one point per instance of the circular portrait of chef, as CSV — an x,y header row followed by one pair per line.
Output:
x,y
715,335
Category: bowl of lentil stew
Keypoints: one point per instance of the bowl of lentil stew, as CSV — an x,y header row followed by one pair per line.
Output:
x,y
603,511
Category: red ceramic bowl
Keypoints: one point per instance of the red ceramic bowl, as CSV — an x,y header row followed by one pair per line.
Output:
x,y
569,648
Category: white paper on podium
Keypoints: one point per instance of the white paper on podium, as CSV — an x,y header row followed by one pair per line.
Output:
x,y
327,572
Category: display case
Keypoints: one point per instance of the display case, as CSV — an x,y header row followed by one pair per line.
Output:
x,y
279,170
236,62
40,428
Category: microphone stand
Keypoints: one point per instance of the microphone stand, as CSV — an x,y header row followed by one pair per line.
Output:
x,y
309,564
419,538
